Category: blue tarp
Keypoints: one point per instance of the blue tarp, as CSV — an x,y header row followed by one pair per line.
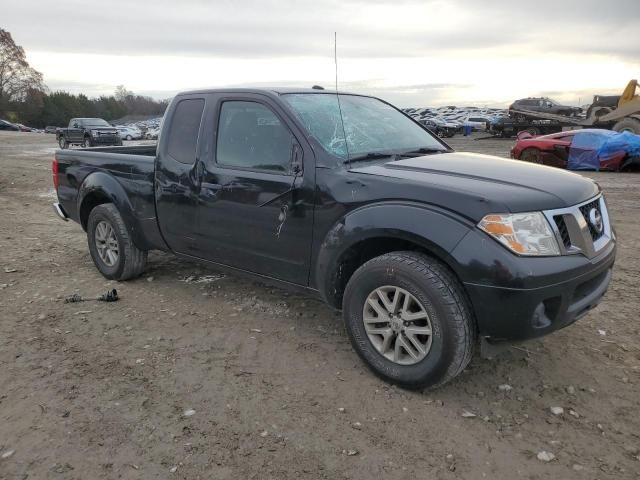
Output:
x,y
589,147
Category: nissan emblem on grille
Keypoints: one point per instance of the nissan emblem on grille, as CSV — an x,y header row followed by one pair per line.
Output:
x,y
595,219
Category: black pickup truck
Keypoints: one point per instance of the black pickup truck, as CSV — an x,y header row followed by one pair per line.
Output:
x,y
88,132
425,250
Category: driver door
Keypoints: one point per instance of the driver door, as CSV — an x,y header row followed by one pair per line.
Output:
x,y
256,199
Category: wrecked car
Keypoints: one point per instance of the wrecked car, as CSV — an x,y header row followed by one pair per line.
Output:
x,y
587,149
544,105
424,250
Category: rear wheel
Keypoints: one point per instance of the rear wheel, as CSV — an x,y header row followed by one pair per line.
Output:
x,y
628,125
112,250
129,137
532,155
408,318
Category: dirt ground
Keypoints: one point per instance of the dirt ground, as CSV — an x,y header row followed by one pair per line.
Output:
x,y
194,374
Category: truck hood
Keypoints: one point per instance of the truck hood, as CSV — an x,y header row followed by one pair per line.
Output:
x,y
475,184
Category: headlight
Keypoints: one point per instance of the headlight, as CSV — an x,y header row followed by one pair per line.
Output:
x,y
522,233
94,133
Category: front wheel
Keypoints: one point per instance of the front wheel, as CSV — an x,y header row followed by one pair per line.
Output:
x,y
86,143
408,318
63,142
129,137
532,155
112,250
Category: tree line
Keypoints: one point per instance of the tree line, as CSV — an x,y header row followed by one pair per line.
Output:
x,y
24,98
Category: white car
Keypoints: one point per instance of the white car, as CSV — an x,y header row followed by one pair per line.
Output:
x,y
476,122
129,133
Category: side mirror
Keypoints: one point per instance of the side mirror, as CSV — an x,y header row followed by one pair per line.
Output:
x,y
75,125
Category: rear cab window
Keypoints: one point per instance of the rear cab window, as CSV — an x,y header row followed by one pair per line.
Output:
x,y
185,127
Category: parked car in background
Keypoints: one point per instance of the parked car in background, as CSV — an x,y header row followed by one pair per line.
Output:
x,y
88,132
587,149
152,133
23,128
50,129
440,127
128,132
477,122
544,105
5,125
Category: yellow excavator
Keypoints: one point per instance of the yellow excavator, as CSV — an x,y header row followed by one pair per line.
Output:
x,y
623,116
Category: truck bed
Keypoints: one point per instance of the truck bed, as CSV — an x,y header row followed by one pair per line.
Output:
x,y
131,167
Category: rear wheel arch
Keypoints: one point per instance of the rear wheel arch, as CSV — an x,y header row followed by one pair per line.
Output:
x,y
99,188
89,202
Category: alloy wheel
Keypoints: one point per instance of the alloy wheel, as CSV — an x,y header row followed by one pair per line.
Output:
x,y
107,243
397,324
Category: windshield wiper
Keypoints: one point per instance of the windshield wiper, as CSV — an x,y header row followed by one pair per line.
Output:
x,y
424,150
370,156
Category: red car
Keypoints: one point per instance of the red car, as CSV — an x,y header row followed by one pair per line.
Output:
x,y
553,150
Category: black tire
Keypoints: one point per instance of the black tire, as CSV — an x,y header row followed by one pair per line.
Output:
x,y
628,125
131,260
62,142
129,137
437,289
86,143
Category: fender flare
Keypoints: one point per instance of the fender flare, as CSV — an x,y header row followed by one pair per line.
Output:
x,y
102,185
431,228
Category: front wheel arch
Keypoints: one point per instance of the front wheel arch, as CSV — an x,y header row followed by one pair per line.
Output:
x,y
400,226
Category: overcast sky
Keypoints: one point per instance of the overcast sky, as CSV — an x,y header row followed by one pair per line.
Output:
x,y
412,53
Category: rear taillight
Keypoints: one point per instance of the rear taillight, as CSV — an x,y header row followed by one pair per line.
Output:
x,y
54,173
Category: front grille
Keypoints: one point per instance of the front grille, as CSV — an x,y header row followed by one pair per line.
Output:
x,y
562,229
585,209
574,231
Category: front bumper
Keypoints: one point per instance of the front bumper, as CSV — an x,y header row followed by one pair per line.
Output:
x,y
516,298
106,140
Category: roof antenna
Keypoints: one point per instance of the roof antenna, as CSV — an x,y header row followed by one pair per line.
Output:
x,y
335,60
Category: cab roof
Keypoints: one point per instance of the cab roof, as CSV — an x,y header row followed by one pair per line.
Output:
x,y
268,91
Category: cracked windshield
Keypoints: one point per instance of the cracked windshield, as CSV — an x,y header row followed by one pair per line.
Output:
x,y
370,126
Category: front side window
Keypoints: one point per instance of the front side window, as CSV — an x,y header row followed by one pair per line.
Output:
x,y
185,126
367,125
251,136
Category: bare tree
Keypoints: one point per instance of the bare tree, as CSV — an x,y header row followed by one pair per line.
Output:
x,y
122,93
17,77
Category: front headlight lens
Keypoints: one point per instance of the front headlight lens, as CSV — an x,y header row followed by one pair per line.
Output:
x,y
94,133
522,233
